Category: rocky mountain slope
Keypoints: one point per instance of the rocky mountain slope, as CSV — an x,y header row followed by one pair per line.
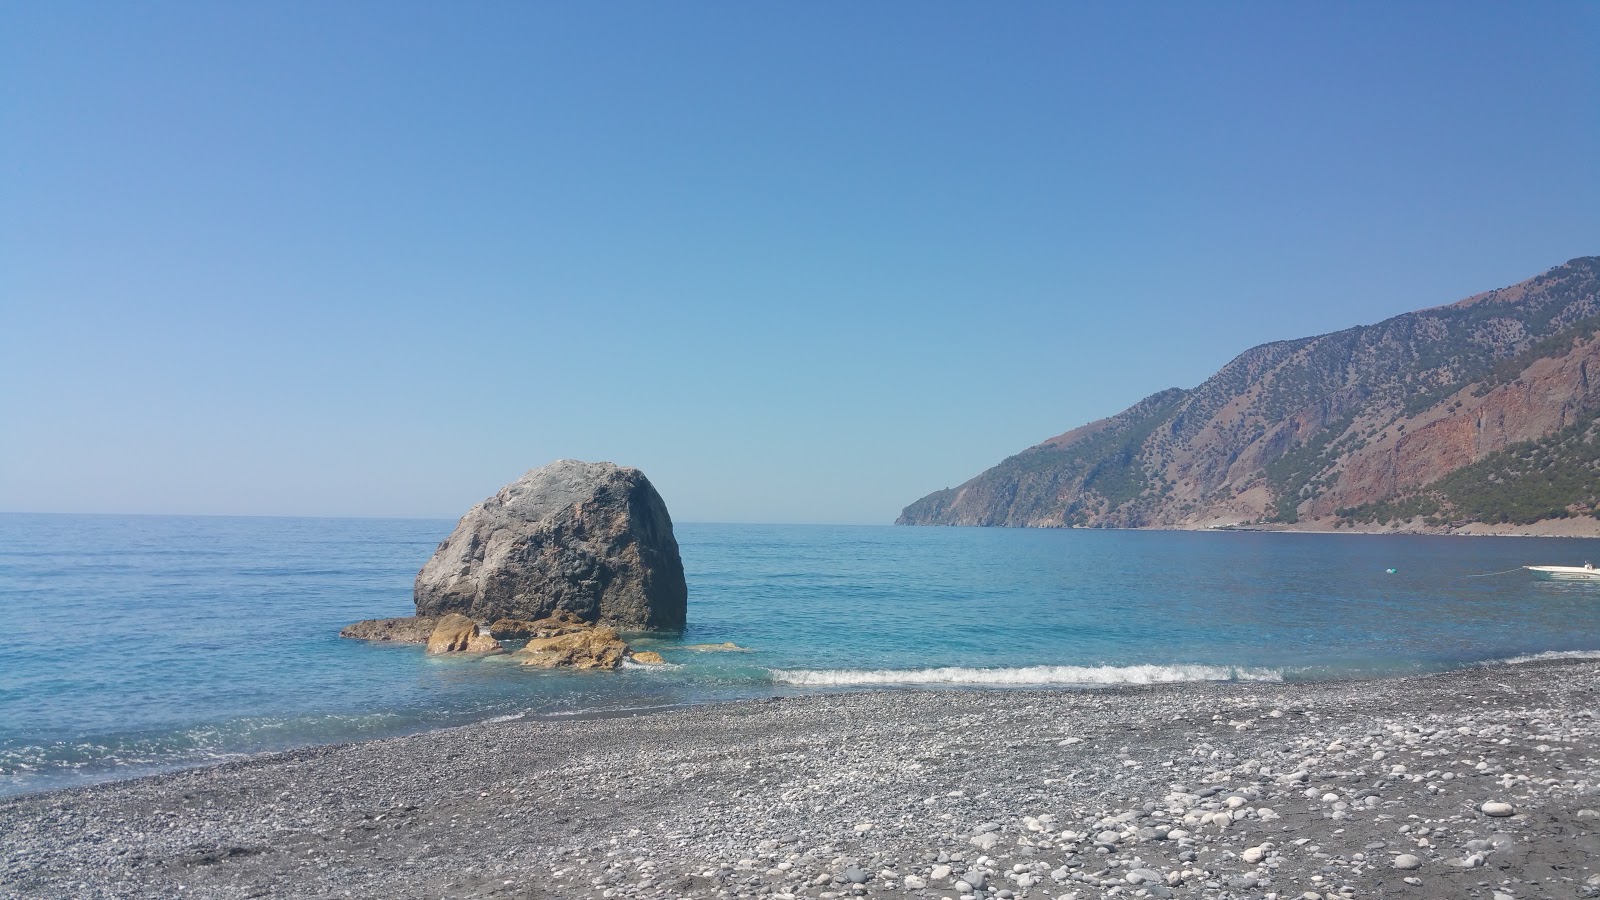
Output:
x,y
1483,411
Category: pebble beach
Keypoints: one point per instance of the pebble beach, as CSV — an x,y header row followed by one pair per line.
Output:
x,y
1479,783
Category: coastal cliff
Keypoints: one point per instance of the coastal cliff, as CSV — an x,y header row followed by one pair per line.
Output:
x,y
1476,415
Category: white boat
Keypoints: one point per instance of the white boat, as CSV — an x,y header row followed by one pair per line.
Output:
x,y
1585,572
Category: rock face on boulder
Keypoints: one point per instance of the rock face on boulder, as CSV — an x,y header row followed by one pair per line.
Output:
x,y
593,539
403,630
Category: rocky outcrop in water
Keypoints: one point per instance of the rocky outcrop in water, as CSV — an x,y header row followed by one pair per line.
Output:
x,y
559,622
401,630
591,539
595,647
1484,411
456,633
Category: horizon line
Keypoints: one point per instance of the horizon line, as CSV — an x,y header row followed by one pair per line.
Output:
x,y
180,515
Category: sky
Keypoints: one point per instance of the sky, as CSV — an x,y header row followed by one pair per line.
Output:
x,y
799,262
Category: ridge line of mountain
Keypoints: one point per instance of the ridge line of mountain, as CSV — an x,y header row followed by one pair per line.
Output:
x,y
1362,428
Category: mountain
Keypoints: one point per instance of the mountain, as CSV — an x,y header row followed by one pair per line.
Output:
x,y
1483,412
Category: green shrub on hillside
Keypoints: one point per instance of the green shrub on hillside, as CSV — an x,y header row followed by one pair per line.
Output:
x,y
1551,478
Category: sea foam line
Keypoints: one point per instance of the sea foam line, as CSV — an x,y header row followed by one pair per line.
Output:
x,y
1550,654
1141,674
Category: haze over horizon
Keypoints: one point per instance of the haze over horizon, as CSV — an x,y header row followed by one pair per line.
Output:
x,y
797,263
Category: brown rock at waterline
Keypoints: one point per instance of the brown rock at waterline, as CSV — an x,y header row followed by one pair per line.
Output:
x,y
456,633
590,648
648,658
401,630
557,623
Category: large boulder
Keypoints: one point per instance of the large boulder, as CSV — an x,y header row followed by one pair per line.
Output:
x,y
593,539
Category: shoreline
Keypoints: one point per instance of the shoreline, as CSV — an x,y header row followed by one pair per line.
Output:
x,y
1042,793
780,689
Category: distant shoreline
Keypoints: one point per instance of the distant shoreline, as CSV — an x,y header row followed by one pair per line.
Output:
x,y
1575,527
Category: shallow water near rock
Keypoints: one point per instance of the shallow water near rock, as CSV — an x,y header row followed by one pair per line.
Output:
x,y
140,643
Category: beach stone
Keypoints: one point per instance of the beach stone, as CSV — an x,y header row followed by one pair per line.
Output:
x,y
647,658
985,841
1253,855
594,539
1407,862
939,872
855,876
1497,809
402,630
459,634
1142,876
913,883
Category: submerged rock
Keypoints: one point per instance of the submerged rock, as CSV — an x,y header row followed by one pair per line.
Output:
x,y
590,648
402,630
592,539
724,647
458,634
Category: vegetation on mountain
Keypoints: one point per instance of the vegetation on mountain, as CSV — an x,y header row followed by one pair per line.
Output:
x,y
1554,477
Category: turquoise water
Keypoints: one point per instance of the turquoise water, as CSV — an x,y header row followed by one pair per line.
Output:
x,y
143,642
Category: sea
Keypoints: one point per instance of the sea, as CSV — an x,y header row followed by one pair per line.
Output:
x,y
137,644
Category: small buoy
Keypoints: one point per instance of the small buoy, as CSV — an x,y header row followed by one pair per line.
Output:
x,y
1391,571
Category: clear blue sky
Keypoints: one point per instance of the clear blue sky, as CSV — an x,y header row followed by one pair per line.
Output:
x,y
800,262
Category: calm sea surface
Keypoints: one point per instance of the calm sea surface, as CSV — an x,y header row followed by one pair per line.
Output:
x,y
141,643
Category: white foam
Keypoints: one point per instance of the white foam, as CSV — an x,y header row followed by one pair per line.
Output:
x,y
1143,674
1553,654
632,666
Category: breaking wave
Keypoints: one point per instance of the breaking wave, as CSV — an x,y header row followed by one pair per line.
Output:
x,y
1551,654
1026,675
